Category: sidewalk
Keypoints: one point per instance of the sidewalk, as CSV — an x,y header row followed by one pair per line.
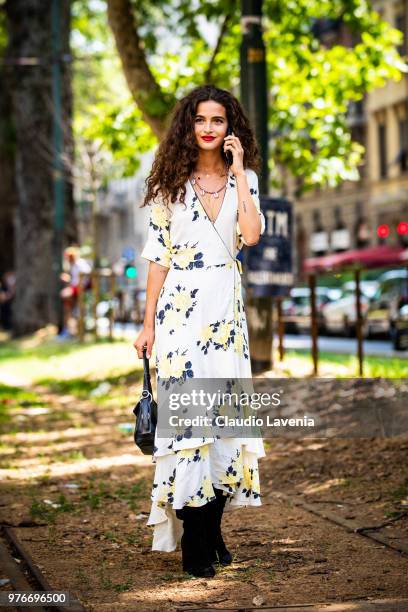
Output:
x,y
77,492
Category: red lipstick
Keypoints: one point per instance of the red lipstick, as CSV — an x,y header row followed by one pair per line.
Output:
x,y
208,138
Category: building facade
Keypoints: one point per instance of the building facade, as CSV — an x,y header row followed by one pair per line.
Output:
x,y
121,224
374,209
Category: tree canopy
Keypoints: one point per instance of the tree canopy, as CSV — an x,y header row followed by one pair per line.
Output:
x,y
169,46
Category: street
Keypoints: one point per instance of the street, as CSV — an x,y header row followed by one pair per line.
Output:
x,y
337,344
327,344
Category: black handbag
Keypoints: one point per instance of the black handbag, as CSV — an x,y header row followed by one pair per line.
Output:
x,y
145,412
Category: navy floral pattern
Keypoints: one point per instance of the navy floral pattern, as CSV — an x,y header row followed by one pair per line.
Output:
x,y
240,477
200,332
177,308
174,367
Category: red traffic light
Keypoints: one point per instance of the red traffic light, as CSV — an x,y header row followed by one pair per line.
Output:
x,y
402,228
383,231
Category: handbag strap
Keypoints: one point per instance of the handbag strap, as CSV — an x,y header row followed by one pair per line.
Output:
x,y
147,385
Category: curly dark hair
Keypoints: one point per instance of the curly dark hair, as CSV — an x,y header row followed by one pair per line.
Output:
x,y
177,154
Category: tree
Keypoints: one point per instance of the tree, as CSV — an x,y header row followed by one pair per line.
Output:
x,y
311,85
29,79
8,197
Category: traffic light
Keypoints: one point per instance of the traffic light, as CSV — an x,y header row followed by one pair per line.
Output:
x,y
130,271
402,231
383,231
402,228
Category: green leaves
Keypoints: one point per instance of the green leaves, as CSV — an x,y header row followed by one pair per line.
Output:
x,y
310,84
121,130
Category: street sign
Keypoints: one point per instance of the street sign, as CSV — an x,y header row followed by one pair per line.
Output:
x,y
269,262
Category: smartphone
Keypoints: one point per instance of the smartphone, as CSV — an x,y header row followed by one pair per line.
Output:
x,y
228,153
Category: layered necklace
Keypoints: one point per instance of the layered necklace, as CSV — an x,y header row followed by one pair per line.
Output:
x,y
215,194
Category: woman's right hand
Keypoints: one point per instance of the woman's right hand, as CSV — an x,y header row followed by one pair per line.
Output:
x,y
144,339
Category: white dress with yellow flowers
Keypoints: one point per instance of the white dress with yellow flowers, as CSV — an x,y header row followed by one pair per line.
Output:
x,y
200,331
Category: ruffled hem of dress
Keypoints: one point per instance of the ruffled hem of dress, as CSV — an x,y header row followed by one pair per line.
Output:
x,y
189,478
168,529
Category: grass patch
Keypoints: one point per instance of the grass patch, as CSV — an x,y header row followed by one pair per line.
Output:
x,y
12,398
344,366
74,455
29,347
101,491
133,538
400,493
94,496
109,535
132,494
244,573
45,511
82,576
53,362
10,395
107,583
98,390
15,350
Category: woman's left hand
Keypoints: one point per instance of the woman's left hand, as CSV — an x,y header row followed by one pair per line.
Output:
x,y
233,144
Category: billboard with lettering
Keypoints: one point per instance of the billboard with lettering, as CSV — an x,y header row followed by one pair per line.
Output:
x,y
269,263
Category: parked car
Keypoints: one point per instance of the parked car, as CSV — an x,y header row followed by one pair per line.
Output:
x,y
296,308
399,321
367,287
340,316
384,310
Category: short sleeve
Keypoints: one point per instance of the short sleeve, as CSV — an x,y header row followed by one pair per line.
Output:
x,y
254,189
158,245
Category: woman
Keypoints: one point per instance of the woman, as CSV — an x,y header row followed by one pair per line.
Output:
x,y
203,193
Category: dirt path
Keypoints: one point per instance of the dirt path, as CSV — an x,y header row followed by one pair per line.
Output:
x,y
77,493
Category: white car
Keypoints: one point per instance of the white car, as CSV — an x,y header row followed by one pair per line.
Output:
x,y
296,307
340,316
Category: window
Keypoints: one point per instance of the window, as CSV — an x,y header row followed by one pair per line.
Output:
x,y
400,25
382,144
340,236
317,221
362,232
319,239
402,156
123,224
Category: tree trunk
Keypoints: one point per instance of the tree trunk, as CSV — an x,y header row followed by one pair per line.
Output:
x,y
71,227
153,103
30,36
8,196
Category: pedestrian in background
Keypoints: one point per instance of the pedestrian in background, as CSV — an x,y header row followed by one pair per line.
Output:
x,y
75,266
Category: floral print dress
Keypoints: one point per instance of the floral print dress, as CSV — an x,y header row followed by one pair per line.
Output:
x,y
200,331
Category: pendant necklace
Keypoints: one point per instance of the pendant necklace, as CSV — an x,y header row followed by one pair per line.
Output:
x,y
204,191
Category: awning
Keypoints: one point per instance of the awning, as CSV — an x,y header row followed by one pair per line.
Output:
x,y
373,257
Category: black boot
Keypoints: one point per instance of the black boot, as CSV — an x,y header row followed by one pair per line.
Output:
x,y
194,546
219,551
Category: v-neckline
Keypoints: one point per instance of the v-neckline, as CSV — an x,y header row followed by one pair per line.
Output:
x,y
222,203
